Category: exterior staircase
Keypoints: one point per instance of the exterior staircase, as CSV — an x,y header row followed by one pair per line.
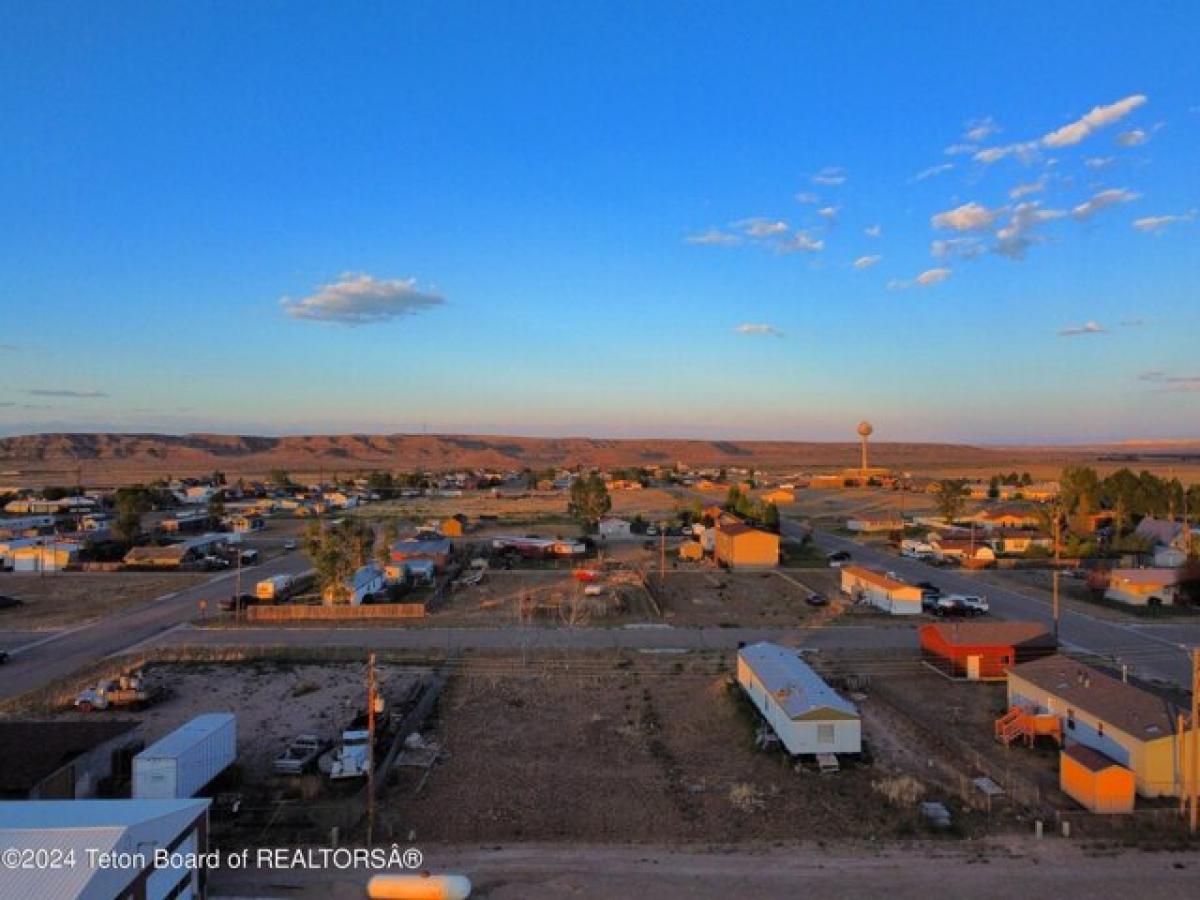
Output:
x,y
1019,722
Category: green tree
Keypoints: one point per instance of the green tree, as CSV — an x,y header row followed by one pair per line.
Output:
x,y
216,505
951,498
770,517
280,478
589,499
383,550
131,503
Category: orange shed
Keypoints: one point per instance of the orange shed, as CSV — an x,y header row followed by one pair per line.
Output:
x,y
739,546
452,527
1095,781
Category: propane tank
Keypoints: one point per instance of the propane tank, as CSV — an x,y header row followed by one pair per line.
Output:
x,y
419,887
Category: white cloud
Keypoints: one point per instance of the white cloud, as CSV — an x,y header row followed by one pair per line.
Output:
x,y
968,217
960,149
1132,323
758,328
865,262
1089,327
932,171
800,242
958,248
360,299
873,231
714,237
1172,383
828,212
1018,235
62,392
980,129
1156,224
831,176
759,227
1096,163
928,278
1103,200
1099,117
1023,190
1025,152
1133,138
807,197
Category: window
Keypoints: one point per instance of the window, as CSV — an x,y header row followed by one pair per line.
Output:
x,y
824,734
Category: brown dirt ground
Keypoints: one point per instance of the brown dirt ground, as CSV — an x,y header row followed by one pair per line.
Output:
x,y
59,599
560,600
716,598
610,749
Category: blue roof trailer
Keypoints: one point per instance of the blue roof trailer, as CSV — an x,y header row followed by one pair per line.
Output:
x,y
807,714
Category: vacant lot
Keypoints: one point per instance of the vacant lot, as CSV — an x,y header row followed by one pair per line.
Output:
x,y
609,749
550,597
59,599
831,508
716,598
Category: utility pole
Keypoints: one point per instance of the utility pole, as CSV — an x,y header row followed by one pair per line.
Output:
x,y
1057,558
370,748
662,554
1195,741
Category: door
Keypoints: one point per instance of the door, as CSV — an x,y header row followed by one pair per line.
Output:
x,y
973,667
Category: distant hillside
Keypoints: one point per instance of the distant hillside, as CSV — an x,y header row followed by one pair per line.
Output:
x,y
116,458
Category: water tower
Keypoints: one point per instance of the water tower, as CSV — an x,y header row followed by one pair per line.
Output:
x,y
864,431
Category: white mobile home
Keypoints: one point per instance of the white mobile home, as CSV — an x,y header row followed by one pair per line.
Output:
x,y
805,712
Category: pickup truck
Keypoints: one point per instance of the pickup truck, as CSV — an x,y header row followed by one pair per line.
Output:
x,y
960,605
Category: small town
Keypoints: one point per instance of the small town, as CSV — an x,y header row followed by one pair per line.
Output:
x,y
579,452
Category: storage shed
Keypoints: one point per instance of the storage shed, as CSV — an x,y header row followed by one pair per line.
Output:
x,y
1096,782
805,712
739,546
881,591
983,651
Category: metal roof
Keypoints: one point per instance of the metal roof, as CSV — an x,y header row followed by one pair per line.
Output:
x,y
797,689
127,826
185,736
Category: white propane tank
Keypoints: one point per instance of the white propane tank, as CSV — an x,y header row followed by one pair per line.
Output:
x,y
419,887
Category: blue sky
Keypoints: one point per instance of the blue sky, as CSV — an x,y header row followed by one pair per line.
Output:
x,y
602,218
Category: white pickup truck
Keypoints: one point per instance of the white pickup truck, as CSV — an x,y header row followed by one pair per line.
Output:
x,y
961,604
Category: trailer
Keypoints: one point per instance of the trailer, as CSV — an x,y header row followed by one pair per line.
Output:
x,y
187,759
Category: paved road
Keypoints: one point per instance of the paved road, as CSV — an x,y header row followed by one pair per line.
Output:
x,y
653,638
39,662
1151,651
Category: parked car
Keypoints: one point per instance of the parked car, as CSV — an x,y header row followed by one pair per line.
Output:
x,y
232,602
838,558
816,600
290,544
301,755
6,602
974,604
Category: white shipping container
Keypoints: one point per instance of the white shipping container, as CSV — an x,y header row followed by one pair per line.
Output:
x,y
187,759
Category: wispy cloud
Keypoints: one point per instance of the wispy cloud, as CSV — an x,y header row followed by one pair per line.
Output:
x,y
63,392
1089,327
932,171
968,217
807,197
1135,137
960,149
1098,118
759,329
714,237
980,129
1158,224
865,262
928,278
360,299
799,242
1019,233
830,176
1103,200
1024,190
1096,163
759,227
1026,152
956,248
1171,383
828,212
873,231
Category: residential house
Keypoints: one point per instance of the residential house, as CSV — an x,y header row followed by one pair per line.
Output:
x,y
779,495
45,556
875,524
1134,727
882,591
436,548
1014,541
1007,517
983,651
360,588
806,713
741,546
611,528
965,550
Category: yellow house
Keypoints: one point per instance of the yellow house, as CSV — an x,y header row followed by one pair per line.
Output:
x,y
1131,726
739,546
451,527
779,496
1143,587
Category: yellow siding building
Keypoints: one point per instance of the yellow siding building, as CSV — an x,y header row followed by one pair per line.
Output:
x,y
739,546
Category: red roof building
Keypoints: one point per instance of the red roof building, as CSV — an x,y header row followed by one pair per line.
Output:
x,y
983,651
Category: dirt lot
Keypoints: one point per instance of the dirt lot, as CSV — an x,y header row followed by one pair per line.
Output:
x,y
551,597
59,599
831,508
716,598
608,748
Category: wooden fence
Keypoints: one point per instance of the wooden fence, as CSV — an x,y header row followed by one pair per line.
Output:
x,y
301,613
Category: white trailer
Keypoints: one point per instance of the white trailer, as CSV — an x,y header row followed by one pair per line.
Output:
x,y
277,587
187,759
